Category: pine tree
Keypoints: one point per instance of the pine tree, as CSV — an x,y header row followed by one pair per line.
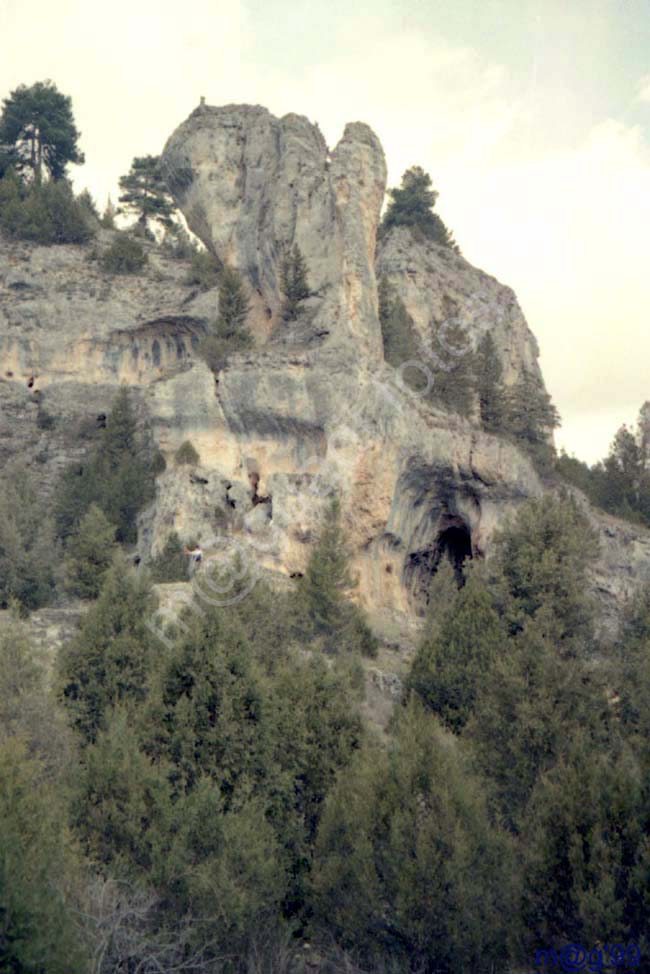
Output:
x,y
407,868
90,554
543,557
111,658
451,375
398,332
145,194
453,658
230,334
38,126
234,303
171,563
294,284
38,930
488,384
530,414
27,550
323,593
412,206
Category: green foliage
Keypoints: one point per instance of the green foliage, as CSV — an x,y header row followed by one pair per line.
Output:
x,y
407,867
108,216
293,282
26,541
530,416
204,270
324,609
45,213
544,556
488,383
531,703
117,476
398,332
38,931
89,554
456,652
186,454
110,659
171,564
37,122
412,206
145,194
27,708
124,256
586,858
229,334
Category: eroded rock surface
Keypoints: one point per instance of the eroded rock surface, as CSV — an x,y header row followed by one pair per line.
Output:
x,y
309,413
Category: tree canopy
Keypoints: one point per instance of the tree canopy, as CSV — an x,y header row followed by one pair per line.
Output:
x,y
38,130
145,194
411,205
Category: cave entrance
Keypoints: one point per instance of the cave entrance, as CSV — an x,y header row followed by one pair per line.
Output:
x,y
453,541
456,542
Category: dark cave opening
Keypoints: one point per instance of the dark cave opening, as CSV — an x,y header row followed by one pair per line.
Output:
x,y
454,541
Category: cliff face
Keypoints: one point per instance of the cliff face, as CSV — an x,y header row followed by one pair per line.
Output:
x,y
312,411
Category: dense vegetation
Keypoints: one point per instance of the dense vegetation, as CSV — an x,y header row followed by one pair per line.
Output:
x,y
210,805
620,483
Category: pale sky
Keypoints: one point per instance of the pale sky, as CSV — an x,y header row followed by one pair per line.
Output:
x,y
532,116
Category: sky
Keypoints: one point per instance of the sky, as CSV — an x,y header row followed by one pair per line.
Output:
x,y
532,117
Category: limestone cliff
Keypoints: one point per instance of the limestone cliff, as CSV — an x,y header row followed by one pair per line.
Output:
x,y
313,409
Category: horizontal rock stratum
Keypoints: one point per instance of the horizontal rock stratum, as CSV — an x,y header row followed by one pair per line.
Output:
x,y
312,411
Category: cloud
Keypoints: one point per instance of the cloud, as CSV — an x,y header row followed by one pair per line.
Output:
x,y
643,93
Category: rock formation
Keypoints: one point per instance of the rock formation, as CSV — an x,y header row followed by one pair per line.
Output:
x,y
312,410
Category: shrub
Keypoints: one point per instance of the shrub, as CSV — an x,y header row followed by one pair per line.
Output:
x,y
124,256
46,213
171,564
204,270
186,454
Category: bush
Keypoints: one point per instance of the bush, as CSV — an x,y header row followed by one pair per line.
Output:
x,y
46,213
215,350
186,454
171,564
124,256
204,270
90,554
26,541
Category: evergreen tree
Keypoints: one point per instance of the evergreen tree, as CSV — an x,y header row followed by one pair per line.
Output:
x,y
171,564
583,853
323,593
543,557
117,476
407,869
145,194
229,334
294,284
89,554
398,332
38,125
234,303
454,656
453,380
530,415
488,384
38,931
110,660
26,541
412,206
531,703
